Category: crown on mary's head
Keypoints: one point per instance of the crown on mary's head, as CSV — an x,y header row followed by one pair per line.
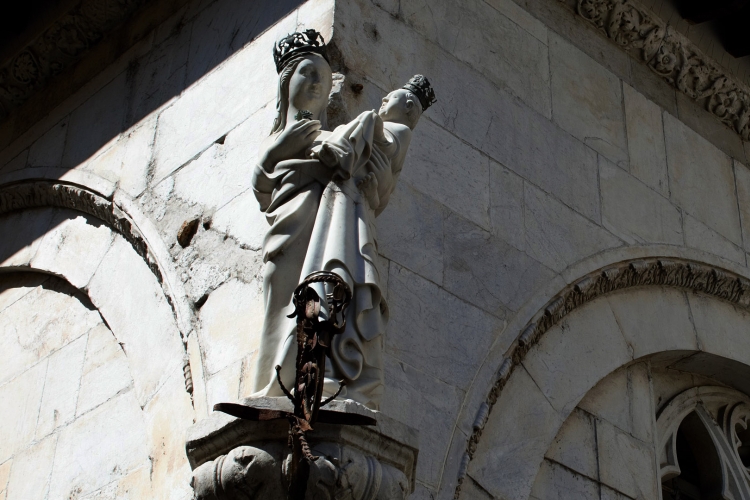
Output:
x,y
305,42
420,86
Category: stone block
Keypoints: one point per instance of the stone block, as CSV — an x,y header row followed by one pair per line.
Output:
x,y
182,132
29,479
648,154
167,416
100,447
4,476
422,330
518,433
506,204
720,327
126,292
695,116
575,445
410,232
105,370
96,122
61,387
555,482
487,118
635,212
414,398
702,237
467,29
242,220
587,100
19,418
231,322
445,168
247,374
652,86
747,151
625,463
22,234
47,151
701,179
12,288
522,18
653,320
224,386
73,247
590,333
608,493
17,163
38,324
556,235
128,159
487,272
470,490
742,177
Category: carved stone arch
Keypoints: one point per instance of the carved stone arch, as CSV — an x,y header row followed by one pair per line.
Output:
x,y
662,277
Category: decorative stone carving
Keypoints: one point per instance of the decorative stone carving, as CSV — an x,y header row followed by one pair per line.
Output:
x,y
321,191
240,459
642,272
721,411
673,57
57,47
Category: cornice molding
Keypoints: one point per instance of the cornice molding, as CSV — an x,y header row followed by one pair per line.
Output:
x,y
58,47
673,57
670,272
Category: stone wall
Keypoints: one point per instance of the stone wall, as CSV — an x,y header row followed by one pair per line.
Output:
x,y
550,154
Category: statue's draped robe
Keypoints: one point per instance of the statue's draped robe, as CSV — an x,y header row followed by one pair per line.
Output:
x,y
321,221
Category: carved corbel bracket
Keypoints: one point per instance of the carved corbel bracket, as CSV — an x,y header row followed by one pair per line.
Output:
x,y
240,459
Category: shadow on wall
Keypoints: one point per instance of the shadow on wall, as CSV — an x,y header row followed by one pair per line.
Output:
x,y
189,44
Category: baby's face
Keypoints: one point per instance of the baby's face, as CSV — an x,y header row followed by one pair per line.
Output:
x,y
395,107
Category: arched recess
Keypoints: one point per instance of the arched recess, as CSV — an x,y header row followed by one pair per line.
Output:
x,y
78,235
605,320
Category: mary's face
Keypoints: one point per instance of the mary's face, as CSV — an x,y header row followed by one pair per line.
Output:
x,y
311,84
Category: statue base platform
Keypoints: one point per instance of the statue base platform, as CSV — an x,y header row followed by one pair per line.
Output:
x,y
234,458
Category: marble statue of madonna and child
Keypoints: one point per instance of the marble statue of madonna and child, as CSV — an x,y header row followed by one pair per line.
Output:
x,y
321,191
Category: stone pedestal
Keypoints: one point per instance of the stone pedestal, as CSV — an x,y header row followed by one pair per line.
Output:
x,y
240,459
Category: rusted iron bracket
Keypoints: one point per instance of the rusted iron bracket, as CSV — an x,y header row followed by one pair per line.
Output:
x,y
314,339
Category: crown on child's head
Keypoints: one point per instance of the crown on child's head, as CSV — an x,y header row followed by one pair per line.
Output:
x,y
306,42
420,86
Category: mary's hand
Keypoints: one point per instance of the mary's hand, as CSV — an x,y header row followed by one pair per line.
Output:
x,y
291,142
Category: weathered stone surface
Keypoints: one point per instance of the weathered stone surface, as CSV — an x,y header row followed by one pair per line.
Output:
x,y
126,292
448,170
429,343
61,387
487,272
12,288
521,17
702,237
242,220
105,370
22,234
4,476
720,327
410,232
468,28
625,463
47,151
698,118
99,447
635,212
589,333
608,493
557,483
38,324
73,247
648,155
654,320
506,205
515,438
556,235
128,159
224,386
587,100
96,122
701,179
29,478
231,322
575,446
742,177
16,163
19,418
428,404
183,133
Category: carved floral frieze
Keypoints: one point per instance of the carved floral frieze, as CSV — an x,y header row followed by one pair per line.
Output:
x,y
674,58
645,272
